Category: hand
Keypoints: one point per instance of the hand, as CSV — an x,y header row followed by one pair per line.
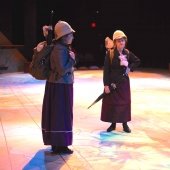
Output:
x,y
72,55
106,89
45,29
40,46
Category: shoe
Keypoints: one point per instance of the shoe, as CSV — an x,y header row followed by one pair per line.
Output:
x,y
66,150
126,128
53,148
61,150
112,127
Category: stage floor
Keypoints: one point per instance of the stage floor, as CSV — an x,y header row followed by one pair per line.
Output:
x,y
146,148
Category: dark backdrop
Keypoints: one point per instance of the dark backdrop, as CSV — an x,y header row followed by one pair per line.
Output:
x,y
146,23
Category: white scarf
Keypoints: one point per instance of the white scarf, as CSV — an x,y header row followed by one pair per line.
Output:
x,y
123,60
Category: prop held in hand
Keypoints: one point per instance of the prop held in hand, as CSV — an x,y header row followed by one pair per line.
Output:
x,y
112,87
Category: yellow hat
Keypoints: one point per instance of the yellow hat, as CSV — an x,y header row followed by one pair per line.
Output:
x,y
62,28
119,34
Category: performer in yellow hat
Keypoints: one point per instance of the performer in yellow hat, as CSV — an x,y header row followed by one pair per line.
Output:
x,y
116,106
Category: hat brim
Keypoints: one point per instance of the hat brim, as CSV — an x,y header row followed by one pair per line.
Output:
x,y
120,37
72,31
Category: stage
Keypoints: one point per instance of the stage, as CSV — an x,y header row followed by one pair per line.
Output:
x,y
146,148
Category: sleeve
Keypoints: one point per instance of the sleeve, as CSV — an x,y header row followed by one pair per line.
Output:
x,y
49,37
134,61
63,62
106,70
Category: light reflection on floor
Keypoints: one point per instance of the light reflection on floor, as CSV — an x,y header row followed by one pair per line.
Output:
x,y
146,148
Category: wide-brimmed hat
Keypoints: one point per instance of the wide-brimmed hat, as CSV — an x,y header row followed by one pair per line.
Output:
x,y
62,28
118,34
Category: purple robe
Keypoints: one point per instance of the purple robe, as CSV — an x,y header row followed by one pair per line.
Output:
x,y
57,114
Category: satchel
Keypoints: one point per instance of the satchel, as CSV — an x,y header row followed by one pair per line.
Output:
x,y
40,66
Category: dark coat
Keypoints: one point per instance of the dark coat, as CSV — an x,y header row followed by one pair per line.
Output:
x,y
61,64
113,71
116,106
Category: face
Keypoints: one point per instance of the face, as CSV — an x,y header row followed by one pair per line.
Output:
x,y
108,43
68,38
120,43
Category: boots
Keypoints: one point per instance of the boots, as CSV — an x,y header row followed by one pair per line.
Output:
x,y
112,127
126,128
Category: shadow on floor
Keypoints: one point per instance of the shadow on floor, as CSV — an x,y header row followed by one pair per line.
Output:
x,y
45,160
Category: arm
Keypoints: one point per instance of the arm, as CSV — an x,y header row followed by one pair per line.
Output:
x,y
48,33
134,61
63,61
106,71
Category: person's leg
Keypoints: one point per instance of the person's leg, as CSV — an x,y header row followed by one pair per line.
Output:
x,y
126,128
112,127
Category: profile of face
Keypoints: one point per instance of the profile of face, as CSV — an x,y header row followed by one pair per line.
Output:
x,y
120,43
68,39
